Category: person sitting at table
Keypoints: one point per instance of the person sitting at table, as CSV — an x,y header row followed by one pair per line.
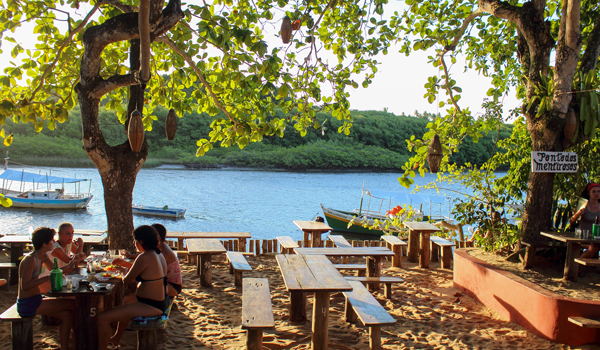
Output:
x,y
587,216
65,246
174,278
151,297
30,301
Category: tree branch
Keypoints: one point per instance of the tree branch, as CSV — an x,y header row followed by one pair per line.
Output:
x,y
191,63
567,55
592,51
114,82
67,41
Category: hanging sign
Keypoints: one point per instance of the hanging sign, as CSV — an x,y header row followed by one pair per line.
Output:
x,y
554,162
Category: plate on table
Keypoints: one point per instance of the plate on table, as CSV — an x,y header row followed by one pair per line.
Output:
x,y
104,276
102,285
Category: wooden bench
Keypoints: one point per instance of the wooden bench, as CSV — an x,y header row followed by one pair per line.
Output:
x,y
257,310
532,247
147,328
360,303
446,246
340,242
585,322
5,270
21,328
287,244
237,266
387,281
361,269
588,262
396,245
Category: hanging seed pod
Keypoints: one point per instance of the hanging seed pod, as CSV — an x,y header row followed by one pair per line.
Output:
x,y
296,25
171,124
135,131
286,30
435,154
570,124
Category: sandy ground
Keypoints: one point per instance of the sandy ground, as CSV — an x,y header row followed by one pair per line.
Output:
x,y
429,313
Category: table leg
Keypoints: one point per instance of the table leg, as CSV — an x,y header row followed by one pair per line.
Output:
x,y
179,243
320,321
424,258
571,267
89,306
413,245
16,251
205,265
306,239
297,307
374,270
316,240
397,258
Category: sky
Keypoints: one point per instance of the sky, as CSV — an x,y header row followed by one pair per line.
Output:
x,y
398,86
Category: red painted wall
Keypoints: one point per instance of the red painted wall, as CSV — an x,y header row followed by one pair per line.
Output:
x,y
539,311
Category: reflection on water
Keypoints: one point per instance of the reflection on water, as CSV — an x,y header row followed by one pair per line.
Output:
x,y
263,203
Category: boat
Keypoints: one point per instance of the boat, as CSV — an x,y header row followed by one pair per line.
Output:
x,y
158,211
49,198
359,220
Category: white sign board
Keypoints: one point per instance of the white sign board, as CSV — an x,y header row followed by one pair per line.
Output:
x,y
554,162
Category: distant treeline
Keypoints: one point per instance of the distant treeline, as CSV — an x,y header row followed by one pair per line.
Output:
x,y
377,142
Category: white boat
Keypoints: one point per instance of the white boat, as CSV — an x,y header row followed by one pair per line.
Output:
x,y
20,188
157,211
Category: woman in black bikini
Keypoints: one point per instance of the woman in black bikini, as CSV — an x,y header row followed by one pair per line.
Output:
x,y
151,298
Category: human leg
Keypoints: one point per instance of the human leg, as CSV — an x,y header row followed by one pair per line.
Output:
x,y
2,282
62,309
121,314
591,251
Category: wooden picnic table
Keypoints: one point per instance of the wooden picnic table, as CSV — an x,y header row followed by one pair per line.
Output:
x,y
311,273
573,251
374,257
181,235
422,229
89,304
312,232
206,248
18,242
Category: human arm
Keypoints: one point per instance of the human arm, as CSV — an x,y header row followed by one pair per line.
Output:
x,y
77,246
26,269
139,265
576,216
121,262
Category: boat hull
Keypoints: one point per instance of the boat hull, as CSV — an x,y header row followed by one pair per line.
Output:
x,y
156,211
79,203
339,220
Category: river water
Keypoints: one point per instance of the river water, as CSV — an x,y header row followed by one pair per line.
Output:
x,y
263,203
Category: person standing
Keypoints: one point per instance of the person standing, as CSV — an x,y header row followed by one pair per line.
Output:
x,y
30,300
587,216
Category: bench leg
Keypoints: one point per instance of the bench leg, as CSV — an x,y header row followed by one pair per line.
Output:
x,y
349,312
205,270
375,337
528,259
297,307
397,258
255,338
237,278
22,334
388,290
435,251
147,339
320,332
374,270
446,257
361,273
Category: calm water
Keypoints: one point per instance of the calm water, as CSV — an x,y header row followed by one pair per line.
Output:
x,y
263,203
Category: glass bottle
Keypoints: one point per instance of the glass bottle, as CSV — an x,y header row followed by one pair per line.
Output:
x,y
596,228
56,277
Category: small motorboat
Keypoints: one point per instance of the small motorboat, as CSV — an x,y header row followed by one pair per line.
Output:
x,y
158,211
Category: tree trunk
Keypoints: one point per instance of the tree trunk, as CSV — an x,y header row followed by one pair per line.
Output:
x,y
538,208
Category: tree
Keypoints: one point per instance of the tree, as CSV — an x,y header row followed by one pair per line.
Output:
x,y
216,56
513,43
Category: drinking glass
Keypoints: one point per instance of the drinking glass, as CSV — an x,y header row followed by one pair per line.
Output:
x,y
69,282
578,233
75,283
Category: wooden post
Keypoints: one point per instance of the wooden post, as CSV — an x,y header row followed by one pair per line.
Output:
x,y
251,246
255,339
242,242
297,307
265,247
354,243
572,268
147,338
269,246
300,244
22,334
397,258
226,245
413,245
375,337
435,251
373,270
424,251
349,312
320,321
236,245
206,270
306,241
387,287
257,244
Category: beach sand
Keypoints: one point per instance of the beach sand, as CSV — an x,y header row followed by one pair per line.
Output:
x,y
429,313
